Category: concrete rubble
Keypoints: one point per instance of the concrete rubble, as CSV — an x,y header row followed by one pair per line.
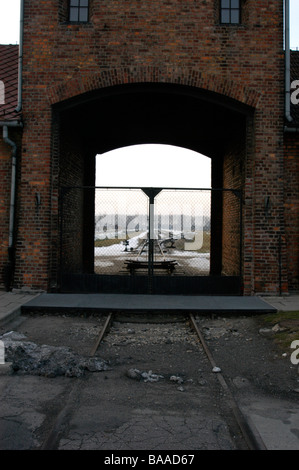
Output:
x,y
145,376
48,361
149,376
272,331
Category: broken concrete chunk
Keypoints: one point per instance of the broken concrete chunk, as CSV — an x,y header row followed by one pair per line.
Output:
x,y
266,332
276,328
145,376
177,379
151,377
134,374
13,336
48,361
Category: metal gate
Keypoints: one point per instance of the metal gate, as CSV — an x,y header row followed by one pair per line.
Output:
x,y
151,241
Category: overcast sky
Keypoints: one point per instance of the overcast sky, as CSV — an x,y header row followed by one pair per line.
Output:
x,y
10,14
165,172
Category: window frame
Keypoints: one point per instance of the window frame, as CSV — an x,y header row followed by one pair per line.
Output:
x,y
230,9
78,9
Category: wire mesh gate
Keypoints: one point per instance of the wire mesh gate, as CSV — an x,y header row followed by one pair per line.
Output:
x,y
151,240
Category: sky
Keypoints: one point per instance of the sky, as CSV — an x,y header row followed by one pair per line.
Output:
x,y
10,14
171,167
166,172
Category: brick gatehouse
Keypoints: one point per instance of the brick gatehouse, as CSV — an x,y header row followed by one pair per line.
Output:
x,y
208,75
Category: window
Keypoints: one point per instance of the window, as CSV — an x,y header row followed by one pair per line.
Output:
x,y
78,10
230,12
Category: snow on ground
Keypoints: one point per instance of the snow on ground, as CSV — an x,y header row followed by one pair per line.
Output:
x,y
191,258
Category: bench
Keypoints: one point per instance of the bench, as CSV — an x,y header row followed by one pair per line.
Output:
x,y
134,265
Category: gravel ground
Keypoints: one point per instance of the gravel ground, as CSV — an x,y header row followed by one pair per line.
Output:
x,y
260,359
249,353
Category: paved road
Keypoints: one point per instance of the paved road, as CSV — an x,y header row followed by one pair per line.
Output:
x,y
86,414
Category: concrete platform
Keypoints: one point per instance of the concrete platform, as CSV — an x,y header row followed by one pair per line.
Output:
x,y
11,305
147,303
289,303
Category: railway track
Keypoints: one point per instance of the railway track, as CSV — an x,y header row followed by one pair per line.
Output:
x,y
252,442
249,438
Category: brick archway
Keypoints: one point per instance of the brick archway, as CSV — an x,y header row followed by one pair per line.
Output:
x,y
78,85
188,110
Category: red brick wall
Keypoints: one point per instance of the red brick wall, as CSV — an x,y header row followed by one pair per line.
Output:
x,y
155,41
291,205
232,204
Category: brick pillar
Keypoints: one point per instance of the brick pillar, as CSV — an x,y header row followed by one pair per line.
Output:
x,y
33,239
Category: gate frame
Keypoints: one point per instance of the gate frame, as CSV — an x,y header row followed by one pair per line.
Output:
x,y
233,283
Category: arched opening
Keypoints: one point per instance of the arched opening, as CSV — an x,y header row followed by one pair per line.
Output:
x,y
173,116
179,212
